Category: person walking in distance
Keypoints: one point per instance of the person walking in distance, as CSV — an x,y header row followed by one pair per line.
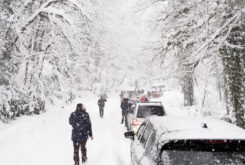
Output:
x,y
81,130
125,107
101,104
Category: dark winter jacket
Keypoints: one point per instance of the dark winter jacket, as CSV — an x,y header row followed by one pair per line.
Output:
x,y
81,125
101,102
125,106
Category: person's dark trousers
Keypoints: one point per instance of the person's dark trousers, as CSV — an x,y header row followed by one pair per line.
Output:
x,y
122,119
77,146
123,116
101,111
126,121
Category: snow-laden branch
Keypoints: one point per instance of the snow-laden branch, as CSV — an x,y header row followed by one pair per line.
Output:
x,y
147,5
214,36
35,14
46,8
58,13
233,46
76,6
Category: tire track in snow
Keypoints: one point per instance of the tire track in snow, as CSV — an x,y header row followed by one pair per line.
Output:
x,y
109,146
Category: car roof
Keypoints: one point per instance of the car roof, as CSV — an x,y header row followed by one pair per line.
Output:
x,y
176,128
133,100
149,103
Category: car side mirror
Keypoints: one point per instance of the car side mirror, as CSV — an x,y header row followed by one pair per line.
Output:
x,y
129,134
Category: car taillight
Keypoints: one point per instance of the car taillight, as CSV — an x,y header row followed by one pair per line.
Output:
x,y
135,122
216,141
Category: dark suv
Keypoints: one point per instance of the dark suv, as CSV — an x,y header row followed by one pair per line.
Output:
x,y
187,141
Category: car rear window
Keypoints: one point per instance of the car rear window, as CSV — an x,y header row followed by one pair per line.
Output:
x,y
213,152
145,111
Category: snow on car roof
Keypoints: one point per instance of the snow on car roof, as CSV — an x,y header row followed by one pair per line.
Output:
x,y
150,103
203,134
193,128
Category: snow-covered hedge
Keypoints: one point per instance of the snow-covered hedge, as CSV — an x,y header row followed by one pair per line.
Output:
x,y
16,108
14,104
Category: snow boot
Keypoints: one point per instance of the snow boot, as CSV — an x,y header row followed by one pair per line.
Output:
x,y
84,160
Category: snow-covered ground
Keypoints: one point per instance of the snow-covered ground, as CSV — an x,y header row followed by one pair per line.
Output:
x,y
173,102
46,139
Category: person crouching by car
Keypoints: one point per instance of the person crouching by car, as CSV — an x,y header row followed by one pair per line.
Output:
x,y
81,130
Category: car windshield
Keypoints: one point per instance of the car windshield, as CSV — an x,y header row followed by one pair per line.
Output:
x,y
149,110
211,152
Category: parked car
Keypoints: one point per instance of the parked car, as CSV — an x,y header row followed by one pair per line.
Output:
x,y
133,101
154,94
139,111
187,141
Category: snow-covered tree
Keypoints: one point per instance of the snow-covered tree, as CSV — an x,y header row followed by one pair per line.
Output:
x,y
233,58
48,51
199,32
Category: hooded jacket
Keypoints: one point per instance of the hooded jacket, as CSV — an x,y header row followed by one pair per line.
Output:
x,y
81,126
101,102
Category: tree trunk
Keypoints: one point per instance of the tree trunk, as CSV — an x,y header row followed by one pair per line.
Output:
x,y
233,55
188,89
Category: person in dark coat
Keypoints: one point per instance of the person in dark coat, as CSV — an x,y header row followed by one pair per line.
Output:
x,y
125,105
81,130
101,104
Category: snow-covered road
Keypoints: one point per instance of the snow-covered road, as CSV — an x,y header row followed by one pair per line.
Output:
x,y
45,139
